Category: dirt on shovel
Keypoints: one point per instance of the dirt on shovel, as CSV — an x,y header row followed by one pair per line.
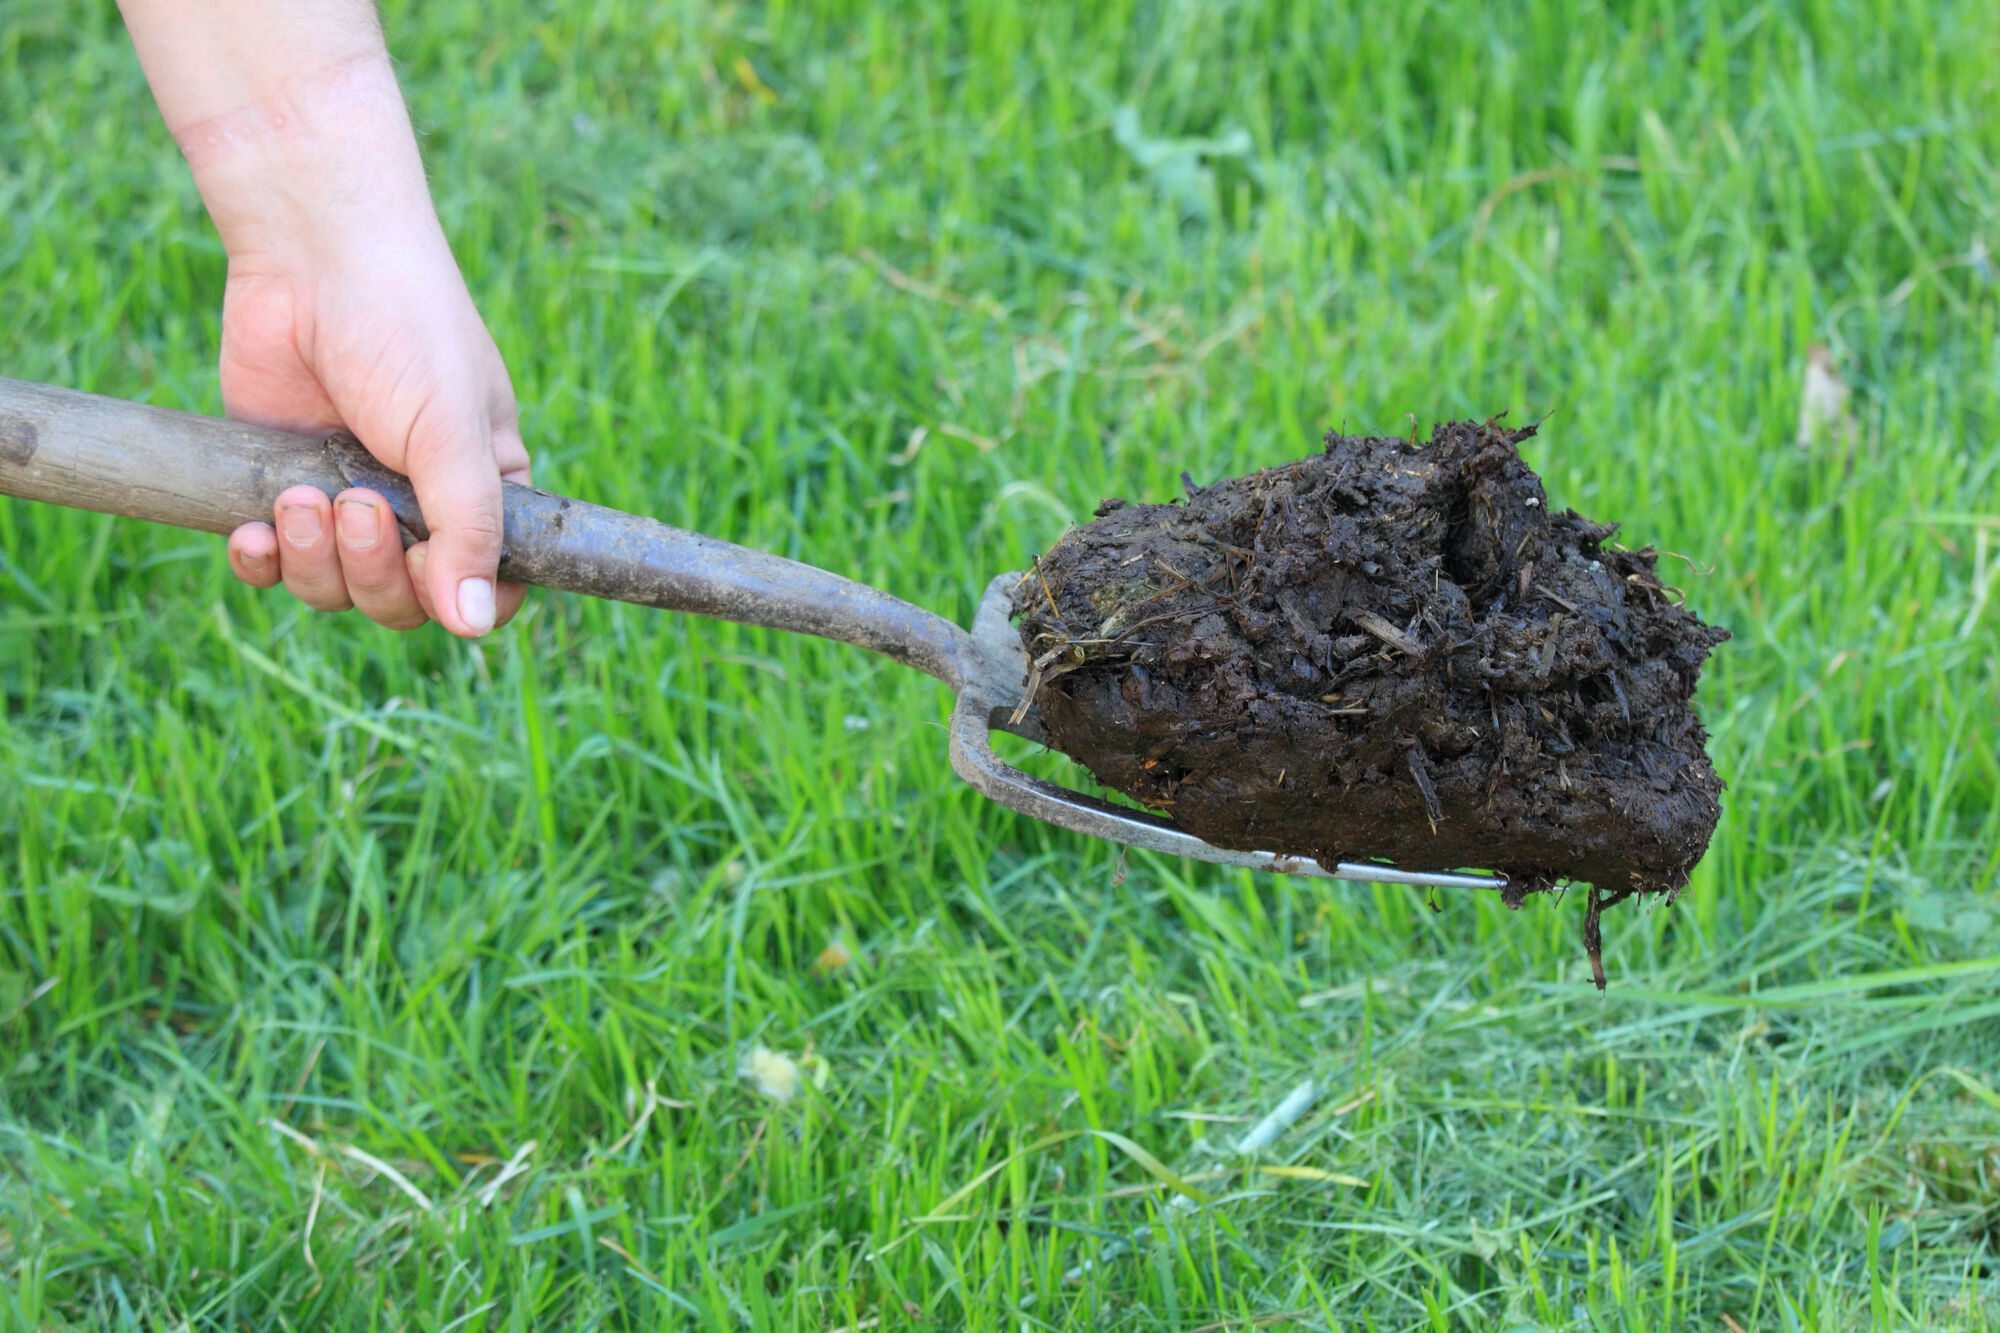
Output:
x,y
1390,650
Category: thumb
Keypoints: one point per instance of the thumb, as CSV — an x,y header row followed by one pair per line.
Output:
x,y
452,469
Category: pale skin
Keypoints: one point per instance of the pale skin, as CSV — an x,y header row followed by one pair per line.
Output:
x,y
343,305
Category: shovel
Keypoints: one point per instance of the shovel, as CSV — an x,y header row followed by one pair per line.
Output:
x,y
189,471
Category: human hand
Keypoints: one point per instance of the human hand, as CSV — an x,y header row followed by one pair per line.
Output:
x,y
378,336
343,306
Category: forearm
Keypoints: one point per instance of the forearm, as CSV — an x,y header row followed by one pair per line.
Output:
x,y
288,113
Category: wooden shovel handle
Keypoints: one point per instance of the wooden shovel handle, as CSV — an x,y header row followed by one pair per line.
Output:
x,y
115,457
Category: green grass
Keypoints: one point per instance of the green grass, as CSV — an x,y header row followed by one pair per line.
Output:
x,y
440,907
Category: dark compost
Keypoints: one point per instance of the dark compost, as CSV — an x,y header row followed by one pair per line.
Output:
x,y
1390,650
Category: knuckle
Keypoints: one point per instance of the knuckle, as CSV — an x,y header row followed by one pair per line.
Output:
x,y
479,531
473,535
320,588
441,426
320,601
378,569
367,584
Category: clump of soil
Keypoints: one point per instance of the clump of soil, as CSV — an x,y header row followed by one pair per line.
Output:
x,y
1390,650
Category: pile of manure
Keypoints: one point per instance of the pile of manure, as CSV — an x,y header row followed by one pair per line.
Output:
x,y
1390,651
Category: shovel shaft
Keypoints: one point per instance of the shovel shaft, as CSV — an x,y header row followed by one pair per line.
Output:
x,y
190,471
115,457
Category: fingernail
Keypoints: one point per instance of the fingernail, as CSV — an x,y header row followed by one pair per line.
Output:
x,y
255,563
360,525
475,604
300,524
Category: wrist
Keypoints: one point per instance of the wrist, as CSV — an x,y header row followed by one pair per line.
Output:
x,y
311,166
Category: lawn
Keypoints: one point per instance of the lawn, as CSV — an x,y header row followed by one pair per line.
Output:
x,y
350,980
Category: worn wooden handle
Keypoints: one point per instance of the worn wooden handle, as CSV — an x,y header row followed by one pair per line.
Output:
x,y
115,457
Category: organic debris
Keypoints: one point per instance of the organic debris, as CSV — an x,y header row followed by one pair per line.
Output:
x,y
1389,650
